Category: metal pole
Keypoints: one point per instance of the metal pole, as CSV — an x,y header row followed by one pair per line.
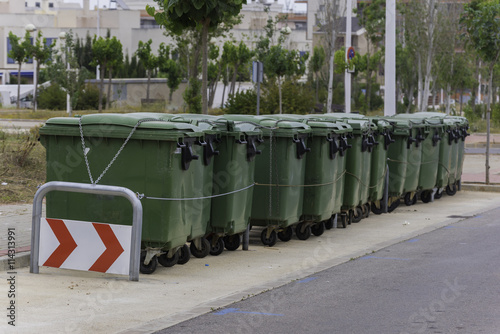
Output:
x,y
98,189
348,33
390,58
35,82
97,68
246,238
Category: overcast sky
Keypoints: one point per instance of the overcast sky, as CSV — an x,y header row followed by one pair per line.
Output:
x,y
105,3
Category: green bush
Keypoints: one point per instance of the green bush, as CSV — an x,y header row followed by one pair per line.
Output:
x,y
88,98
53,98
297,98
192,97
242,103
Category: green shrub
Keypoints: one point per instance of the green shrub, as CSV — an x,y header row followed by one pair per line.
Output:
x,y
88,98
52,98
242,103
192,97
297,98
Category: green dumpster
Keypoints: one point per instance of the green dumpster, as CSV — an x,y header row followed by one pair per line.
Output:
x,y
358,167
383,140
156,159
414,158
433,133
233,177
324,179
279,176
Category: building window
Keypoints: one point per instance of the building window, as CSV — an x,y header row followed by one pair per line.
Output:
x,y
51,5
37,4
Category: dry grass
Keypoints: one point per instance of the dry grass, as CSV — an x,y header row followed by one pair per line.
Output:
x,y
22,166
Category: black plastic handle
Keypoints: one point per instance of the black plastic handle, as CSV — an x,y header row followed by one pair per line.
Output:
x,y
187,153
334,147
301,147
435,138
252,150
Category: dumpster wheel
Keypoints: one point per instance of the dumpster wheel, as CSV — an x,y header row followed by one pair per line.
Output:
x,y
232,242
357,214
184,254
286,234
166,261
318,228
330,222
439,193
303,231
376,210
147,268
394,203
203,250
268,237
216,246
409,200
426,196
451,190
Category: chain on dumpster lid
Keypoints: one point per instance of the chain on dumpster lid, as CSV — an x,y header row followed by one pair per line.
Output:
x,y
87,149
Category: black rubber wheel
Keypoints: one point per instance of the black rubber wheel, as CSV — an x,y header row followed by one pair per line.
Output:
x,y
232,242
286,234
376,210
426,196
409,201
438,194
367,210
184,254
329,222
393,205
357,214
450,191
303,231
204,251
271,241
168,262
343,220
318,228
350,215
147,268
218,248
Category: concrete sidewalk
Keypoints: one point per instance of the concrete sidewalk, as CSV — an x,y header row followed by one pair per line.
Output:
x,y
63,301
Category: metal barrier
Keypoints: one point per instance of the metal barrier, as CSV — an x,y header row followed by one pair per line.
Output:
x,y
89,189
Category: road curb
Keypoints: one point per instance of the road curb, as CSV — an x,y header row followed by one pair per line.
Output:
x,y
21,260
481,187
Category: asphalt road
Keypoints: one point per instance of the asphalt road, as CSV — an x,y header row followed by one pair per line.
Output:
x,y
445,281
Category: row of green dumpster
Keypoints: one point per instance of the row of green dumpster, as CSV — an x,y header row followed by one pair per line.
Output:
x,y
206,180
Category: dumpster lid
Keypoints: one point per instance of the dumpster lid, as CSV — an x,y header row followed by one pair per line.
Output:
x,y
268,124
119,126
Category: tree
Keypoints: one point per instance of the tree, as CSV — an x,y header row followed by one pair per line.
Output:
x,y
177,15
481,22
42,53
73,79
18,52
316,64
105,52
149,60
114,63
280,62
330,23
170,68
373,20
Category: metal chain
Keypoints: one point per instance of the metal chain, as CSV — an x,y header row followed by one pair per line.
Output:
x,y
85,151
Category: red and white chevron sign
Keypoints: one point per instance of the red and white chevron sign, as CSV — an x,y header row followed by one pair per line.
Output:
x,y
85,246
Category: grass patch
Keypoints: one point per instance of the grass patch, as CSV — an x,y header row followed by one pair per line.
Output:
x,y
22,166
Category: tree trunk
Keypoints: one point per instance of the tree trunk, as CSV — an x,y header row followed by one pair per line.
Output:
x,y
488,115
461,100
101,86
204,67
419,82
279,89
35,93
109,89
223,95
147,86
410,99
317,87
19,86
330,74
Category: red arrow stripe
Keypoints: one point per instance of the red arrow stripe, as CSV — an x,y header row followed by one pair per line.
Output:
x,y
66,243
113,248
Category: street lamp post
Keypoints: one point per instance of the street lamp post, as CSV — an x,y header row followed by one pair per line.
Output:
x,y
62,37
31,28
